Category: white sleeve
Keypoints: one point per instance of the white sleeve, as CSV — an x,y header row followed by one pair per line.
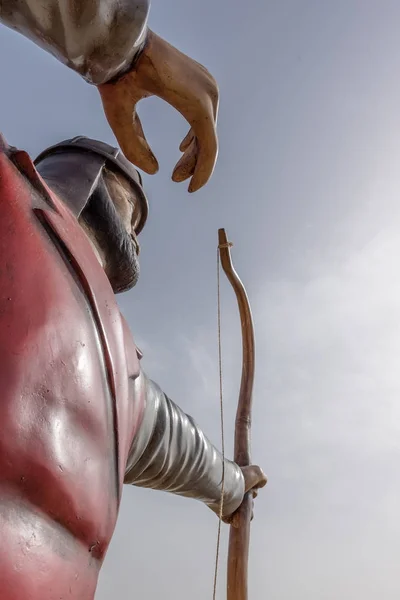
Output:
x,y
98,39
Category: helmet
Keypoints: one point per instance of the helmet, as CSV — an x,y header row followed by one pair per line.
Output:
x,y
73,167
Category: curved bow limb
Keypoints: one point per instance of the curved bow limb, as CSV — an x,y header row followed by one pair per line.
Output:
x,y
239,536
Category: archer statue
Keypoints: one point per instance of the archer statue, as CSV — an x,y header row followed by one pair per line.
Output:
x,y
79,417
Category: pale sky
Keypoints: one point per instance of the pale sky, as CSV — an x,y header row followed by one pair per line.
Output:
x,y
307,186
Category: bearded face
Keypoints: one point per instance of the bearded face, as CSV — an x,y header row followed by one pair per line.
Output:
x,y
110,218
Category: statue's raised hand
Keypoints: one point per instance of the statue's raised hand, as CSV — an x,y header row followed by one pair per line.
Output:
x,y
163,71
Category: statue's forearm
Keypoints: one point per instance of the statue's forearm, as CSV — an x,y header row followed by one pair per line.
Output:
x,y
172,454
97,39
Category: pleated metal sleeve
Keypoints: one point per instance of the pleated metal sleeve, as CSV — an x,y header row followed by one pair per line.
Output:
x,y
171,453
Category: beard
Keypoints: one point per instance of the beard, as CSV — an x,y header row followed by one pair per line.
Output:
x,y
103,220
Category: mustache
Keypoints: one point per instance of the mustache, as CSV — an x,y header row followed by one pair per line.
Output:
x,y
136,243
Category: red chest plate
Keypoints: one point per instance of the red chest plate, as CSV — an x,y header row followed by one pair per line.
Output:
x,y
67,410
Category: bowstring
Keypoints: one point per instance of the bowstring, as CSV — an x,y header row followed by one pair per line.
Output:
x,y
221,408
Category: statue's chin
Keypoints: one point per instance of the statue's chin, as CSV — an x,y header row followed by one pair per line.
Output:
x,y
124,276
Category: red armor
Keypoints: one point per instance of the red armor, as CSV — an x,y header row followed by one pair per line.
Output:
x,y
69,408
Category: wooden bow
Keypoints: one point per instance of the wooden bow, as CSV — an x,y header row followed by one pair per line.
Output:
x,y
239,537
